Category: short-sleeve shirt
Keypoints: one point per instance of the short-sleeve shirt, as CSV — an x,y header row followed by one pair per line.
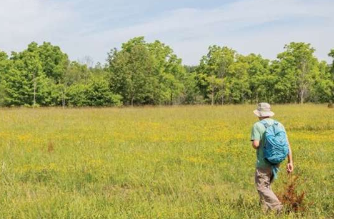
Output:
x,y
257,133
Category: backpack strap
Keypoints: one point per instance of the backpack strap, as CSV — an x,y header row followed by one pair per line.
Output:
x,y
263,122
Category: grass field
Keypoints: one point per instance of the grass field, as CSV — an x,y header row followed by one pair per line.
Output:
x,y
155,162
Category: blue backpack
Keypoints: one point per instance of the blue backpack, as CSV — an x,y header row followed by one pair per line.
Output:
x,y
276,144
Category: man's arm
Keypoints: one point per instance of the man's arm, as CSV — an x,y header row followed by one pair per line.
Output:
x,y
255,137
290,160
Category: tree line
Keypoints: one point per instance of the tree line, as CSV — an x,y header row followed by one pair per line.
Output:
x,y
143,73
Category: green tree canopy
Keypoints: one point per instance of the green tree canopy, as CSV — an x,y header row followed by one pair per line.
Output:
x,y
151,73
299,67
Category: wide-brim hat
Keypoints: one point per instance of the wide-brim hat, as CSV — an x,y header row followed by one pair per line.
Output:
x,y
263,110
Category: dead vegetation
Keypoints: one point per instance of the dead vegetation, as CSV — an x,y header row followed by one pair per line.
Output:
x,y
50,147
292,200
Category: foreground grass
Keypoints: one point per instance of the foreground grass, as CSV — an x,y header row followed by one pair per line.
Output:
x,y
165,162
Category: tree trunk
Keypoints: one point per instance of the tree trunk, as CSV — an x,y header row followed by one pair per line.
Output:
x,y
303,81
222,94
63,99
302,92
212,98
35,84
171,98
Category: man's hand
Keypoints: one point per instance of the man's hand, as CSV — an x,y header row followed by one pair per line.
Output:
x,y
290,167
290,161
255,144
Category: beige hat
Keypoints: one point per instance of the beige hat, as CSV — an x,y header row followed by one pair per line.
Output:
x,y
263,110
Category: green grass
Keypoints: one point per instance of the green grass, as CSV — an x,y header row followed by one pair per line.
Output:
x,y
155,162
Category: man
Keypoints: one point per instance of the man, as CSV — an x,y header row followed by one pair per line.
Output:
x,y
264,174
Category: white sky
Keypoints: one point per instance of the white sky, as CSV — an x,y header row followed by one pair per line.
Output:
x,y
93,27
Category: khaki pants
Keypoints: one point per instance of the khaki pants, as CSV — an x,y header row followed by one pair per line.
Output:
x,y
268,199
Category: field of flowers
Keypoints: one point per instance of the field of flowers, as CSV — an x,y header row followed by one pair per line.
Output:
x,y
155,162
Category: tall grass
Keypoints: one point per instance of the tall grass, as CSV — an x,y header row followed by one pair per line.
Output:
x,y
155,162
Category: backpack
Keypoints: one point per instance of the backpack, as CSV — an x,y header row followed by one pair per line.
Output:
x,y
276,144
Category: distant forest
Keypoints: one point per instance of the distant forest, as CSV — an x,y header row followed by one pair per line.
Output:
x,y
142,73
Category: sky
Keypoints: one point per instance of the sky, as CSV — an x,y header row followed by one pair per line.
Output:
x,y
93,27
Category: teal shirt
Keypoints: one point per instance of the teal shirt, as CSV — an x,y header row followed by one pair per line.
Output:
x,y
257,133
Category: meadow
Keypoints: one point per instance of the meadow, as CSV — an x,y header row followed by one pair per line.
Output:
x,y
155,162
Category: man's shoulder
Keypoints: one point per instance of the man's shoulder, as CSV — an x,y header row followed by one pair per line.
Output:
x,y
258,125
270,121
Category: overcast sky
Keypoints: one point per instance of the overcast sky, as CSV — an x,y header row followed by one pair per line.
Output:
x,y
93,27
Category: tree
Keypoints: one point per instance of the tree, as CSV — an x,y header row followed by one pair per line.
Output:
x,y
95,93
87,60
331,67
260,79
324,84
331,71
98,93
299,65
4,68
239,80
24,78
146,73
33,76
53,61
75,73
132,72
151,73
213,71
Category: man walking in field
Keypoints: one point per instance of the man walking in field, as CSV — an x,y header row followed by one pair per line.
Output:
x,y
265,170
